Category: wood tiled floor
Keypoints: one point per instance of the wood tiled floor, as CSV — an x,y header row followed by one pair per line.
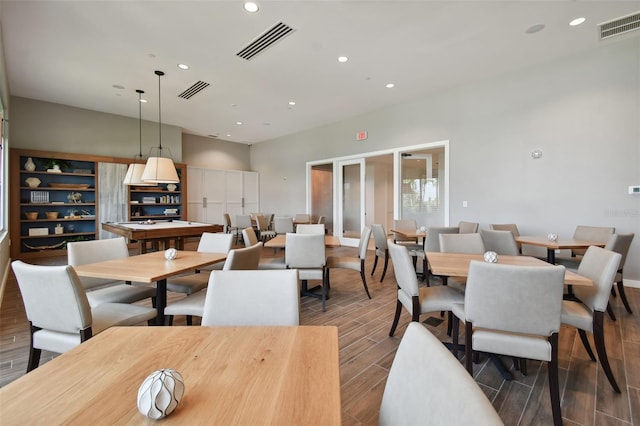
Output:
x,y
366,354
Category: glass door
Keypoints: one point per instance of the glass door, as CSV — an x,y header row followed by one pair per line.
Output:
x,y
351,200
422,187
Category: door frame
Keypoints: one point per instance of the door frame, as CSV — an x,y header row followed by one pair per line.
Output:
x,y
397,178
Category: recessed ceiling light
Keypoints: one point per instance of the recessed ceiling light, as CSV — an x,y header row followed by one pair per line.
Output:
x,y
118,86
228,135
292,103
535,29
250,6
577,21
239,123
390,85
183,66
342,59
143,101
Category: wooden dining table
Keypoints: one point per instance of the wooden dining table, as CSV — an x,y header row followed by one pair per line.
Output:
x,y
232,375
150,268
457,265
559,244
280,240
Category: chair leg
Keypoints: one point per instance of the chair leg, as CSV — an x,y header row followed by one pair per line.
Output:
x,y
585,343
610,312
623,296
468,339
189,320
395,318
455,347
34,354
364,279
325,281
522,362
375,263
449,322
386,263
598,336
153,302
554,387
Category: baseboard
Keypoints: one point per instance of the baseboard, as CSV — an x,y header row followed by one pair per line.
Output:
x,y
631,283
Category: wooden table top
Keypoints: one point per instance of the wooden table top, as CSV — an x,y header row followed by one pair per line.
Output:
x,y
279,241
457,265
560,243
232,375
160,229
149,267
410,233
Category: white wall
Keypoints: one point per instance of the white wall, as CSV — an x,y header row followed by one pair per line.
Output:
x,y
200,151
54,127
581,111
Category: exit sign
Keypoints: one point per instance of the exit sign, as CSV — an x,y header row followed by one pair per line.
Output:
x,y
360,136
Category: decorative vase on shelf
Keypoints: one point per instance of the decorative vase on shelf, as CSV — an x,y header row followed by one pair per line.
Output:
x,y
29,165
172,187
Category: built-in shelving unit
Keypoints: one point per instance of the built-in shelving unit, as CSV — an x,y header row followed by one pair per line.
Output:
x,y
161,202
53,202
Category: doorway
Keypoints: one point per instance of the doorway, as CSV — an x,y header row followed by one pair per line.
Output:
x,y
322,193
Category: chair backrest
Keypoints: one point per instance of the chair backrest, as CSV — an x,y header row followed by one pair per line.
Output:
x,y
379,236
363,244
302,217
512,227
245,298
53,296
502,242
243,221
244,258
403,269
269,221
404,224
461,243
283,225
432,242
217,242
467,227
249,236
262,223
600,266
515,299
84,252
305,251
422,382
227,220
620,243
310,229
591,233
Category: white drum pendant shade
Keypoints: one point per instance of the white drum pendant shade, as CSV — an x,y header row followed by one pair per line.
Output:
x,y
160,170
134,175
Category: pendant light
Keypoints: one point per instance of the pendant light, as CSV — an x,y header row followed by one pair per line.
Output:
x,y
160,169
134,172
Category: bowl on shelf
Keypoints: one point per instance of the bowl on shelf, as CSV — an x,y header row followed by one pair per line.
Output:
x,y
31,215
51,215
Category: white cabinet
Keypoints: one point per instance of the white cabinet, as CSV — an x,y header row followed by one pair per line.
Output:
x,y
211,193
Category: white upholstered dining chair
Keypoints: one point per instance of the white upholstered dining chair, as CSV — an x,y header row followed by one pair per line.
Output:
x,y
246,298
100,290
515,311
306,253
352,262
382,250
60,316
501,242
250,239
428,386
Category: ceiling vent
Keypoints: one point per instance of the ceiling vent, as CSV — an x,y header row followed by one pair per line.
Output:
x,y
193,90
267,39
619,26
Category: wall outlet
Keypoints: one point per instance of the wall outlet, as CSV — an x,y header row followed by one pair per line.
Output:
x,y
634,189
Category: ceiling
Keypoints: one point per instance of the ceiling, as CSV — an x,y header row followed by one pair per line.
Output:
x,y
75,52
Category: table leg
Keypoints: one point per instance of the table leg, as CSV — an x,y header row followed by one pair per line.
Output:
x,y
551,256
161,300
142,246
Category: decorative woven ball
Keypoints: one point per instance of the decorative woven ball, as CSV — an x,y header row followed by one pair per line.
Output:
x,y
491,257
170,254
160,393
552,237
423,229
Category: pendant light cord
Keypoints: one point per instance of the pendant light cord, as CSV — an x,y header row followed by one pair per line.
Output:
x,y
140,92
159,74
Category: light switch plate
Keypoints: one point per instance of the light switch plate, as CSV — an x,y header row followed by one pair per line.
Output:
x,y
634,189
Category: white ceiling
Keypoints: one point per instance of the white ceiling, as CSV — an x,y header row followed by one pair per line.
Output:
x,y
73,52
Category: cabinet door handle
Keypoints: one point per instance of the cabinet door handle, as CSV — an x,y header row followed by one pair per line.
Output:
x,y
243,202
204,201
